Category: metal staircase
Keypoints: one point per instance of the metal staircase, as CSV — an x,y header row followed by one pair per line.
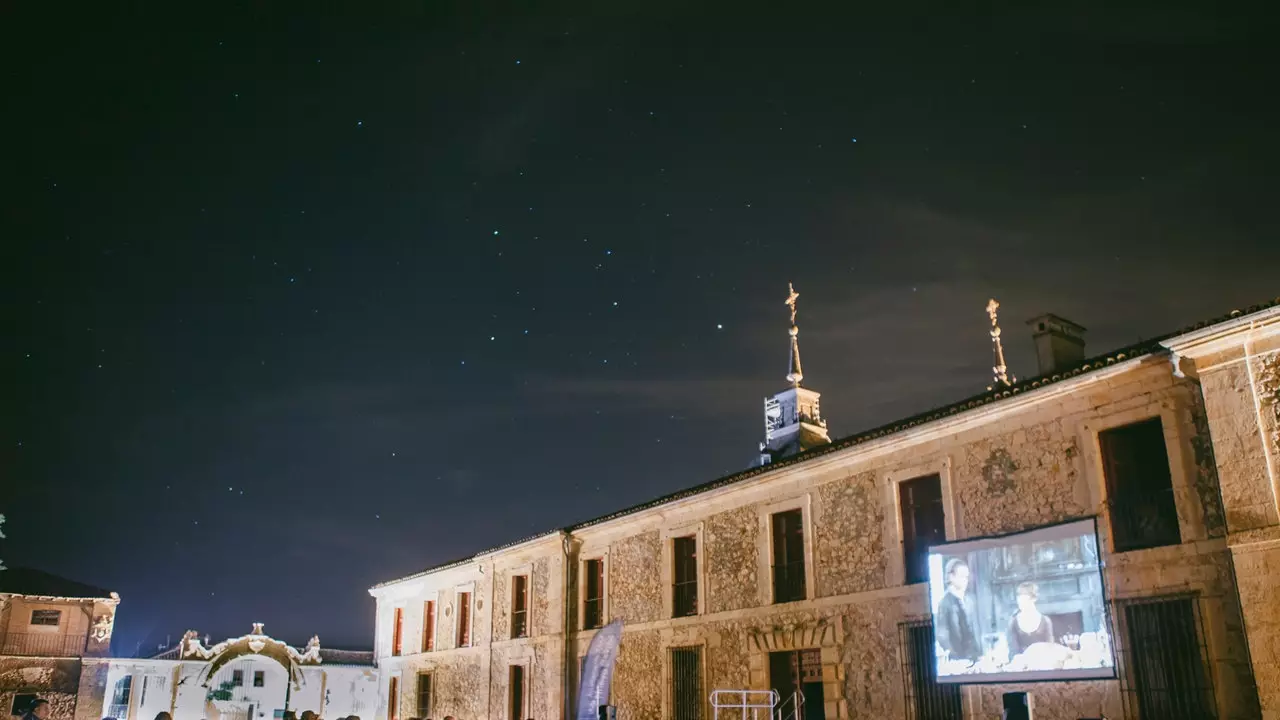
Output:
x,y
756,705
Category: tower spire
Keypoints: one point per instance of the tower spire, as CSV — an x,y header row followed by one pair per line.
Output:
x,y
999,370
794,373
792,419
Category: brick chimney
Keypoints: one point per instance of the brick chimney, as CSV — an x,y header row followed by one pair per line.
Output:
x,y
1059,343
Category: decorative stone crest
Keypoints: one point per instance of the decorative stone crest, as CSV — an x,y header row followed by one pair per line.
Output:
x,y
998,471
102,627
1269,393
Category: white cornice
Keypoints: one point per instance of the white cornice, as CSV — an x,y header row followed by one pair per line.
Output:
x,y
1227,334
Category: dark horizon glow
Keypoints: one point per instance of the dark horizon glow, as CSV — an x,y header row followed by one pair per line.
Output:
x,y
303,302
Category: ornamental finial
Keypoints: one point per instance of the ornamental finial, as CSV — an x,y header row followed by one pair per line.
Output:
x,y
999,370
794,373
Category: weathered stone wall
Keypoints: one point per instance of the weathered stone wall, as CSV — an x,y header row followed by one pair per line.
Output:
x,y
92,692
57,681
1241,457
461,690
502,605
1018,479
1019,468
849,553
731,559
635,584
1241,394
638,676
545,600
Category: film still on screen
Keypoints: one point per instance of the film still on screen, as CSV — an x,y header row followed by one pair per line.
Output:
x,y
1021,608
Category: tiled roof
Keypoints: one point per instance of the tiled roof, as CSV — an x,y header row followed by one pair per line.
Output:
x,y
1092,364
346,657
27,581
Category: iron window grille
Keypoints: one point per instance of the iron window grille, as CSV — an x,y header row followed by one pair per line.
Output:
x,y
424,695
686,683
926,698
1164,659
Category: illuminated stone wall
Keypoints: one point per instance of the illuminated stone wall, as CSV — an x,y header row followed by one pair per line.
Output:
x,y
1023,462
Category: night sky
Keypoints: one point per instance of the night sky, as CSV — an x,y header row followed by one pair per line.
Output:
x,y
296,302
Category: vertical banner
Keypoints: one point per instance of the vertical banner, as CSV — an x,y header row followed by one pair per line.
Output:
x,y
597,671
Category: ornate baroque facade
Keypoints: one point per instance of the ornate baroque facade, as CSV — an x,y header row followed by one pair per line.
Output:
x,y
695,576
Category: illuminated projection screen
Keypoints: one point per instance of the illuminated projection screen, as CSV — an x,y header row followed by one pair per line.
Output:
x,y
1026,607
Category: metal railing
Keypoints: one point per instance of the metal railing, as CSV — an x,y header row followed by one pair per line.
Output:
x,y
791,708
43,645
742,701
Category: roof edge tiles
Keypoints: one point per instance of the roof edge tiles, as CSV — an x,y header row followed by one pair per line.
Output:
x,y
1098,362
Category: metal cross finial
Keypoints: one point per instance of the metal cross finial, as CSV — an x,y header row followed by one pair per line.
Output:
x,y
998,369
791,301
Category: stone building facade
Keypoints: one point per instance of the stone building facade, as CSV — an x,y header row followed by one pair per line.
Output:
x,y
54,635
501,634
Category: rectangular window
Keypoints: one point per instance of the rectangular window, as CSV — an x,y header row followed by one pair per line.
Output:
x,y
788,556
424,695
1139,489
397,631
393,699
237,678
926,698
1165,669
464,619
517,693
923,524
428,626
593,594
520,606
686,683
259,678
49,618
22,703
684,566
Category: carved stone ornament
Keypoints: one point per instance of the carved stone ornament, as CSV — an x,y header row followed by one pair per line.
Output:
x,y
102,627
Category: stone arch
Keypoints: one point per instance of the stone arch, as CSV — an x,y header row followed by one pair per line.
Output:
x,y
824,635
273,650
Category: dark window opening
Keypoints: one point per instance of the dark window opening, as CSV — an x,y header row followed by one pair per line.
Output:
x,y
1166,674
1139,488
520,606
22,703
923,524
237,678
49,618
397,630
684,591
464,619
428,626
796,676
593,595
424,695
517,693
926,698
393,699
686,683
788,556
259,678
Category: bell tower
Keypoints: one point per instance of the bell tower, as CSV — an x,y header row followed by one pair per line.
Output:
x,y
792,419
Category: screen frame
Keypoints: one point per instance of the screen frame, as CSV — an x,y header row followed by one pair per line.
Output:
x,y
1029,678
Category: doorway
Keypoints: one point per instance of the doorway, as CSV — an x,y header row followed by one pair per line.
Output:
x,y
796,676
